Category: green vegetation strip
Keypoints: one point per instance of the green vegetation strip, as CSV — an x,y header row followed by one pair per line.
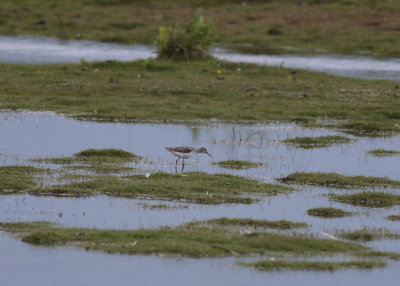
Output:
x,y
237,164
342,26
212,89
393,217
317,142
92,156
268,265
383,152
187,240
334,180
190,187
254,223
368,199
366,234
14,179
328,212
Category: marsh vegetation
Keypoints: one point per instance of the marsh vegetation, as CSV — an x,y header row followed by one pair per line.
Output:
x,y
317,142
334,180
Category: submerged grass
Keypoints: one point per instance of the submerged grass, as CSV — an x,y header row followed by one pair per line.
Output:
x,y
328,212
317,142
339,181
271,265
393,217
248,222
383,152
129,91
190,187
187,240
367,234
368,199
237,164
18,178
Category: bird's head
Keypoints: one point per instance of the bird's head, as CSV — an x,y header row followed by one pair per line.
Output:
x,y
204,150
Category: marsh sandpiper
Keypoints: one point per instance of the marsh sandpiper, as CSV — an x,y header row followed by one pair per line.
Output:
x,y
186,152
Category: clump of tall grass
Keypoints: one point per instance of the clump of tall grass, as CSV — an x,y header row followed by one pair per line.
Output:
x,y
186,43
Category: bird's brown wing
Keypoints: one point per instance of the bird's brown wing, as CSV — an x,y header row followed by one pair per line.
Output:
x,y
181,149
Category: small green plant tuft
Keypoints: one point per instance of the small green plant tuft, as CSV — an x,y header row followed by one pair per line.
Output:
x,y
383,152
17,178
328,212
255,223
117,153
237,164
334,180
369,199
366,234
269,265
393,217
187,43
317,142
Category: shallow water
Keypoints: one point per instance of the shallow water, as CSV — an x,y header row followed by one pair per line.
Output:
x,y
23,264
32,135
36,50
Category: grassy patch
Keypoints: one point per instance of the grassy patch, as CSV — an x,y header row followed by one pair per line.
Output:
x,y
368,199
328,212
188,240
18,178
366,234
100,168
237,164
210,89
268,265
162,207
317,142
339,181
393,217
383,152
254,223
189,187
366,27
92,156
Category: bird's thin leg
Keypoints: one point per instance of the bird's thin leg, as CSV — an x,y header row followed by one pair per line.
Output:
x,y
183,167
183,161
177,161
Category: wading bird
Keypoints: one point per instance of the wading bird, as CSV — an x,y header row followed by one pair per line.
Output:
x,y
186,152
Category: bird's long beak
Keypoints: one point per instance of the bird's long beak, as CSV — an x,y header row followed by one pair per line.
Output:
x,y
209,155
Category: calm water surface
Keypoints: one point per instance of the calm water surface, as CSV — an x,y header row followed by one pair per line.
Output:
x,y
31,135
36,50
